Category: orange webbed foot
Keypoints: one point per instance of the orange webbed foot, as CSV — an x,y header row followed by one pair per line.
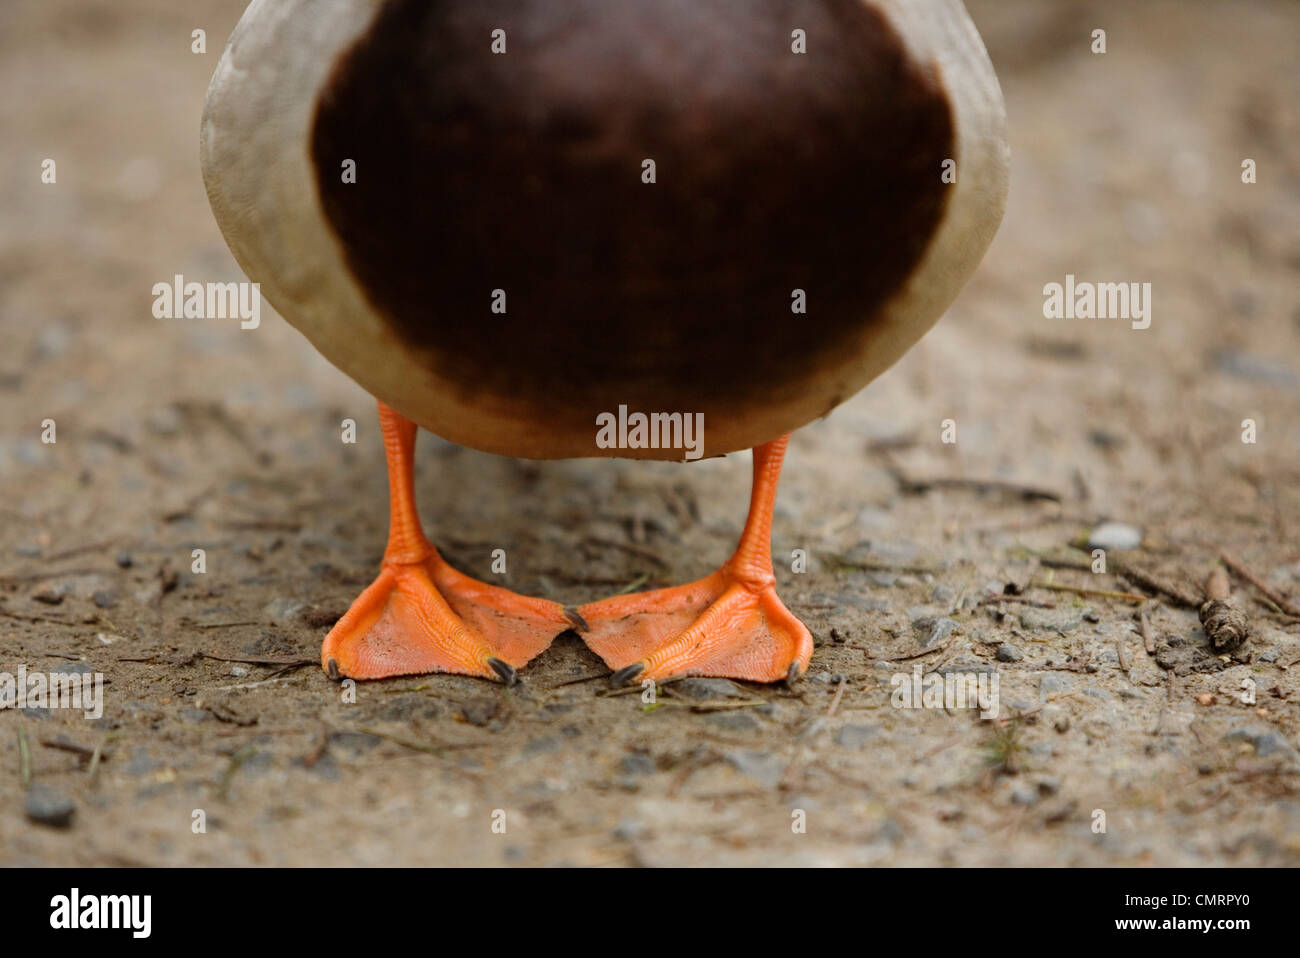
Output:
x,y
420,615
718,626
427,617
728,625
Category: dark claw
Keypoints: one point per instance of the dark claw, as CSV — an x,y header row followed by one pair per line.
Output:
x,y
575,619
332,670
792,674
626,674
505,670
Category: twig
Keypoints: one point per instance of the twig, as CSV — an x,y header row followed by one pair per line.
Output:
x,y
236,760
1276,598
435,750
292,667
705,707
1148,640
260,525
1148,581
635,584
1029,493
97,758
839,694
79,550
1004,719
1047,562
1210,802
867,565
916,655
580,680
694,763
839,776
629,547
35,618
18,576
1079,590
1222,617
1019,599
936,749
222,658
320,749
24,758
80,751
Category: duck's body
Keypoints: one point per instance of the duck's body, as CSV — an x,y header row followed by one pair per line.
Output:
x,y
523,172
507,218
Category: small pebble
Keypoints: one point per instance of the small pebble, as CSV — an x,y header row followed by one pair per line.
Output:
x,y
541,746
1051,620
733,721
1265,741
1052,683
47,806
72,668
930,630
943,595
704,689
1271,743
1115,535
856,736
637,763
861,602
479,711
283,610
629,829
963,668
1009,653
763,767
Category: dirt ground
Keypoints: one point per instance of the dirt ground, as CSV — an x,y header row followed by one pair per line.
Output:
x,y
177,435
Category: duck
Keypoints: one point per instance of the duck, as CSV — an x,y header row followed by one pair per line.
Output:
x,y
511,220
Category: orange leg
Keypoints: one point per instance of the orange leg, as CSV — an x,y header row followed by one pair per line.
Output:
x,y
421,615
730,624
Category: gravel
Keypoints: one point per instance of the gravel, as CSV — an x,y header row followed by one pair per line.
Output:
x,y
49,806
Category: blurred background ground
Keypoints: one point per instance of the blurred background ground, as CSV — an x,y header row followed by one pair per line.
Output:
x,y
177,435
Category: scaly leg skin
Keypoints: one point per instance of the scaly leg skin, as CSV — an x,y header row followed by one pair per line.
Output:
x,y
421,615
730,624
